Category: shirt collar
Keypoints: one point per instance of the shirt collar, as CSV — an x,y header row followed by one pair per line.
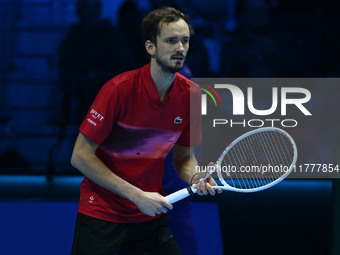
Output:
x,y
151,87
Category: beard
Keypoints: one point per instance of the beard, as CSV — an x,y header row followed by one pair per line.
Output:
x,y
168,67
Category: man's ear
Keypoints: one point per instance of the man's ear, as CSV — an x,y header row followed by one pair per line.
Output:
x,y
150,47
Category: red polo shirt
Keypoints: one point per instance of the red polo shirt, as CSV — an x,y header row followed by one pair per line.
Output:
x,y
135,131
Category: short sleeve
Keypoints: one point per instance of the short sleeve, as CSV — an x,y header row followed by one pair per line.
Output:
x,y
102,114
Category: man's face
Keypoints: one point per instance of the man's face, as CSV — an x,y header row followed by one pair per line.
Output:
x,y
172,46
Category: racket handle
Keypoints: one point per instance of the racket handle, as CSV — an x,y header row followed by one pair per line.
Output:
x,y
179,195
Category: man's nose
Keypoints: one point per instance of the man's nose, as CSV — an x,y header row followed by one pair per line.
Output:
x,y
180,47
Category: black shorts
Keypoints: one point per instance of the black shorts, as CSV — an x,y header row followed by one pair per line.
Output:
x,y
98,237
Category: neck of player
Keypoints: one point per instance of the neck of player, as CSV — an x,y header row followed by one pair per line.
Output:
x,y
163,80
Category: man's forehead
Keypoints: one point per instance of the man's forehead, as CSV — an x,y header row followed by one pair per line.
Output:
x,y
178,28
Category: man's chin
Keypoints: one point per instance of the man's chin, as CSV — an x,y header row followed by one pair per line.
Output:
x,y
173,67
176,68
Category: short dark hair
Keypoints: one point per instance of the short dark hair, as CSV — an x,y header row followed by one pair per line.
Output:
x,y
152,23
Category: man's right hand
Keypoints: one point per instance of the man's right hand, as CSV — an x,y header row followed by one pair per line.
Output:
x,y
152,203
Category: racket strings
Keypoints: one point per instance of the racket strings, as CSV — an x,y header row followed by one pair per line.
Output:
x,y
274,158
257,176
257,160
257,153
248,183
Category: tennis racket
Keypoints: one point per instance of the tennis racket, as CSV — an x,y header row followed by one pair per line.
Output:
x,y
255,161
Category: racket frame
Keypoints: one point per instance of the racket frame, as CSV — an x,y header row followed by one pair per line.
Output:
x,y
291,167
178,195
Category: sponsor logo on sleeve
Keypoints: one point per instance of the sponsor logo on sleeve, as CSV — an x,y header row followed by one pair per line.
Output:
x,y
95,117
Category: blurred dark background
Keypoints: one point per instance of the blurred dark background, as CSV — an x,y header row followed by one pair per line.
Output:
x,y
55,55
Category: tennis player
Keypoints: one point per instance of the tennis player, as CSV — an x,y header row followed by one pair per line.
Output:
x,y
134,122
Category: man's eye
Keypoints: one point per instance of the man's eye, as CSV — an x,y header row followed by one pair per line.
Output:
x,y
170,41
185,41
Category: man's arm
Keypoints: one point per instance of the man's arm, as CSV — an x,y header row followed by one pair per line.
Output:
x,y
185,163
86,161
